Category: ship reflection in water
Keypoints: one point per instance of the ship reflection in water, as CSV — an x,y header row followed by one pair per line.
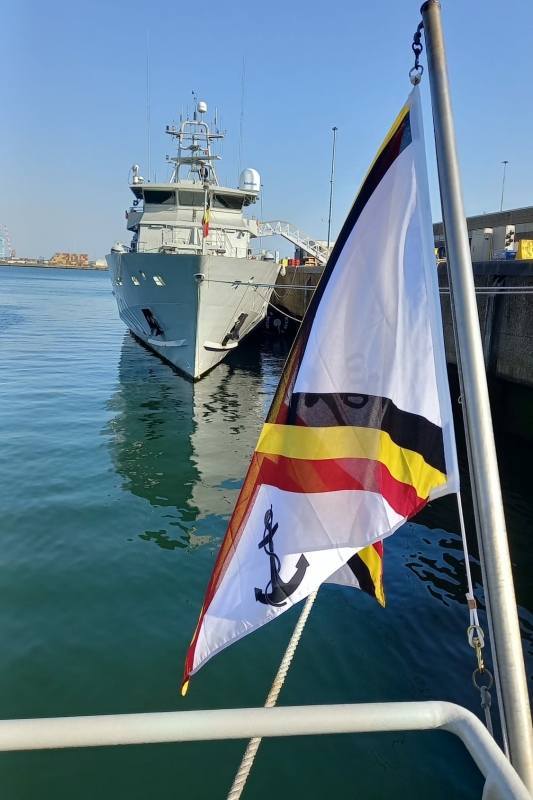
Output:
x,y
185,447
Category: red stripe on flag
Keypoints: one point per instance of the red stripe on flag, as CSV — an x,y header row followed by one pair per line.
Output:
x,y
234,532
335,475
303,476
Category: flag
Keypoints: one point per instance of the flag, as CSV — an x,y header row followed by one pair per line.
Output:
x,y
359,435
205,220
364,570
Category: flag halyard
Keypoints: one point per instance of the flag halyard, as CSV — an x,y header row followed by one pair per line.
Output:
x,y
359,435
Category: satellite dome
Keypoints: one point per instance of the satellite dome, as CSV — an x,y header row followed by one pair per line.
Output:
x,y
250,181
202,107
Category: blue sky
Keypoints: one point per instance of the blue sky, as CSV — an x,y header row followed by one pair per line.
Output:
x,y
74,103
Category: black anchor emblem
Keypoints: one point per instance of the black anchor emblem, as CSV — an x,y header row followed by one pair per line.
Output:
x,y
279,590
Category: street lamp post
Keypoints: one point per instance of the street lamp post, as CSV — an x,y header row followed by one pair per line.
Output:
x,y
331,183
503,182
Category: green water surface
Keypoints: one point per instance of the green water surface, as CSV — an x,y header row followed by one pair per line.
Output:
x,y
118,478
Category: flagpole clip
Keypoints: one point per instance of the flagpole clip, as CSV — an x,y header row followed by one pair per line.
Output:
x,y
416,72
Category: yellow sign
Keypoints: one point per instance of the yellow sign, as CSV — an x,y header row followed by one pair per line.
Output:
x,y
525,250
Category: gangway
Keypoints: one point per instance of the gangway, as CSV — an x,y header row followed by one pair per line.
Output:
x,y
296,236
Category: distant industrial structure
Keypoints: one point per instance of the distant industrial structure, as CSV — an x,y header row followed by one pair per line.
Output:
x,y
493,236
58,261
9,258
79,260
6,251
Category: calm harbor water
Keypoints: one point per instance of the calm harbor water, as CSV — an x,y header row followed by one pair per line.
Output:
x,y
118,479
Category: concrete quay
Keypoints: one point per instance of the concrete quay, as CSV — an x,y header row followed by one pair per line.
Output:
x,y
6,262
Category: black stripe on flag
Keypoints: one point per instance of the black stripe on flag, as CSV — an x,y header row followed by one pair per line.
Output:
x,y
400,139
406,429
362,574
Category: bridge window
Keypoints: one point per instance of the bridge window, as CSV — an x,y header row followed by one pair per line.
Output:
x,y
159,197
229,201
195,199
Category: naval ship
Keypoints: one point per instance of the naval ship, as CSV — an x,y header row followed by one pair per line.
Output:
x,y
187,284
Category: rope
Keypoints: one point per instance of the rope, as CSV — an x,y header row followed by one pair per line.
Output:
x,y
485,705
268,285
253,745
501,706
497,679
278,309
476,639
284,312
481,290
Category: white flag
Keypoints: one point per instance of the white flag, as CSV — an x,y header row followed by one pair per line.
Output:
x,y
360,434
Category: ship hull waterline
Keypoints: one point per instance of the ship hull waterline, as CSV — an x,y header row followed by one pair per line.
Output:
x,y
191,310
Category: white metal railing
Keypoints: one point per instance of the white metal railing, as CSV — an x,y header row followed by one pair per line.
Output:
x,y
296,236
218,242
502,782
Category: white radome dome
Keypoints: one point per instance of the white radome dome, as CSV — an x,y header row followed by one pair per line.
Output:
x,y
250,181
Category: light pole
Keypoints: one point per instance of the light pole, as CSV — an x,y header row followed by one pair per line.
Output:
x,y
331,183
503,182
261,187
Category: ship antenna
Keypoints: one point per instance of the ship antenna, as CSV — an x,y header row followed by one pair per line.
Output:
x,y
242,110
148,125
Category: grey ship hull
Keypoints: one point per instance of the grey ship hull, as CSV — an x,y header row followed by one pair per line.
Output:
x,y
196,310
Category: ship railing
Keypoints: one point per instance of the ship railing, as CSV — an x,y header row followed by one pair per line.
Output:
x,y
501,780
221,242
223,248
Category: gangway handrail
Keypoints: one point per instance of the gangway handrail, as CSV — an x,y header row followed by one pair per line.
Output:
x,y
300,239
502,782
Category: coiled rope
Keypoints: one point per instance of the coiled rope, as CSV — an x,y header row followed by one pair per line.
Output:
x,y
253,745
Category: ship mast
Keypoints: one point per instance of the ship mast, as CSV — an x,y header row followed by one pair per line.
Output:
x,y
194,148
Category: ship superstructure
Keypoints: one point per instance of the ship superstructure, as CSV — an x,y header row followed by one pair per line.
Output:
x,y
187,283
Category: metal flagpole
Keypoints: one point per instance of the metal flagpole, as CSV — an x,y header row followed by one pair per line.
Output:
x,y
486,489
331,184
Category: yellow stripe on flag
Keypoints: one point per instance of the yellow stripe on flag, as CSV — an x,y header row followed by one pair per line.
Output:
x,y
371,558
294,441
396,124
